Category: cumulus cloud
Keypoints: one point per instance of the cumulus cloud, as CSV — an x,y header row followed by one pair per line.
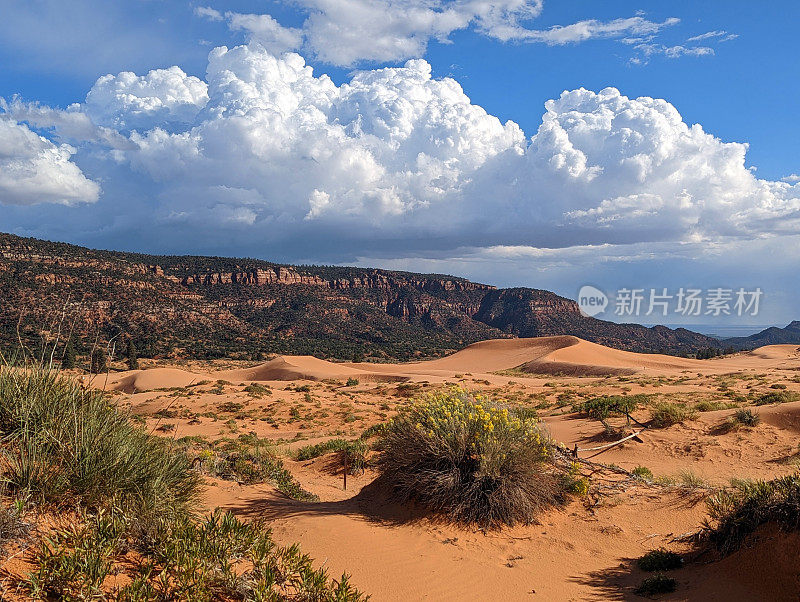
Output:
x,y
396,155
127,101
346,32
34,170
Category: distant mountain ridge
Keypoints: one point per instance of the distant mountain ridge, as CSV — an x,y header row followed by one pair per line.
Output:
x,y
215,307
789,335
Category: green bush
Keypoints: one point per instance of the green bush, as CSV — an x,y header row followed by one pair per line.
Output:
x,y
660,560
351,382
643,473
64,442
741,509
747,417
352,452
665,413
470,460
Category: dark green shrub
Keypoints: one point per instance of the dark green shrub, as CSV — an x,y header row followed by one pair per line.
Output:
x,y
600,408
660,560
351,382
657,584
643,473
470,460
776,397
747,417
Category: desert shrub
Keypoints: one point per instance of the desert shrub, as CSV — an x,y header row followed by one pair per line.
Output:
x,y
776,397
351,382
309,452
179,558
354,453
642,472
747,417
660,560
665,413
777,386
600,408
63,442
470,459
657,584
742,508
257,390
374,431
710,406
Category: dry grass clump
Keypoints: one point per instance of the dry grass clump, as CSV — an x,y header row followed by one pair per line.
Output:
x,y
741,509
471,460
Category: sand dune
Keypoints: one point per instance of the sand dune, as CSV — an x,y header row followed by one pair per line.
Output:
x,y
564,355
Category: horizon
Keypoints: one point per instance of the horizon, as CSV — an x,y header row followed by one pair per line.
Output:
x,y
611,146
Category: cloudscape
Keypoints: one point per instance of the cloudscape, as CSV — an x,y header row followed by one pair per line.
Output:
x,y
326,133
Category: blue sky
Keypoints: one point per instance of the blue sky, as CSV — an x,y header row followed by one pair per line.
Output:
x,y
242,152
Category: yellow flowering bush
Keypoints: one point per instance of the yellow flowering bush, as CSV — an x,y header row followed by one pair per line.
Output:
x,y
470,458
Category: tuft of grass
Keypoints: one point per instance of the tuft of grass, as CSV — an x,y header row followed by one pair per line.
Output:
x,y
742,508
642,472
657,584
352,452
665,413
351,382
747,417
776,397
660,560
63,442
471,460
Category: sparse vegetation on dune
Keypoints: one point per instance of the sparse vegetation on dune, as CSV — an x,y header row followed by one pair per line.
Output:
x,y
122,506
741,509
471,460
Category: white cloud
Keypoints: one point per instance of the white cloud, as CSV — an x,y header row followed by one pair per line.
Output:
x,y
346,32
719,35
671,52
34,170
267,31
206,12
791,179
592,29
164,96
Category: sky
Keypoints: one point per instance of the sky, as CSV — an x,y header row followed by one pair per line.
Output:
x,y
624,145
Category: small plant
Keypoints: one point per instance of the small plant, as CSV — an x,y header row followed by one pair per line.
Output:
x,y
643,473
747,417
660,560
257,390
656,584
471,460
665,413
351,382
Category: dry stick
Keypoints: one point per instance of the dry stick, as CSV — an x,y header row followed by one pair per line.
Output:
x,y
608,445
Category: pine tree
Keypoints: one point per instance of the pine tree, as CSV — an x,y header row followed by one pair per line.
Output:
x,y
133,358
70,357
99,361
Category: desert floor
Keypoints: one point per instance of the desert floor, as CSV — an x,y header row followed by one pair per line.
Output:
x,y
586,550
